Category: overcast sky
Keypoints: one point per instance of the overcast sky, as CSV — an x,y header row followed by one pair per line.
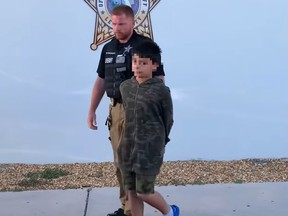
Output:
x,y
226,63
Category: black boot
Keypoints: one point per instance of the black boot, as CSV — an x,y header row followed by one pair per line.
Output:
x,y
119,212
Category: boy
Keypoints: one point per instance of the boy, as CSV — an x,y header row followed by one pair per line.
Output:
x,y
148,121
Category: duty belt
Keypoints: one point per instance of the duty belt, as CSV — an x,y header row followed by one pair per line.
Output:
x,y
114,101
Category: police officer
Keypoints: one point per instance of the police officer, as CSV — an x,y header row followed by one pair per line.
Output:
x,y
115,67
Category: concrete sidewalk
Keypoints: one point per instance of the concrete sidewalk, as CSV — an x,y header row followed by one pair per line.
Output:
x,y
258,199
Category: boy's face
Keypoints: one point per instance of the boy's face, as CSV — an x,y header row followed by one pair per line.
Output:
x,y
143,67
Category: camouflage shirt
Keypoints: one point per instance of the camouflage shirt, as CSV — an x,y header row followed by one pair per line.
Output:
x,y
148,121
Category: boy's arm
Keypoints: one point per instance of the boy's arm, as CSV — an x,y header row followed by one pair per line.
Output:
x,y
167,107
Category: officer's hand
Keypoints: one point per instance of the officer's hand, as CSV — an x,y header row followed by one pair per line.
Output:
x,y
91,121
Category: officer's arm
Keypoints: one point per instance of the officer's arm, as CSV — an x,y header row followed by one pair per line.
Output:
x,y
97,94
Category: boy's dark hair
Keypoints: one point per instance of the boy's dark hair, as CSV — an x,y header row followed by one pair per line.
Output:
x,y
123,9
148,49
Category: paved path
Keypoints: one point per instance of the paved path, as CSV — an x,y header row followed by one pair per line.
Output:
x,y
258,199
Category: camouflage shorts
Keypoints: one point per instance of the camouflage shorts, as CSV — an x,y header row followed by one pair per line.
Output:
x,y
142,184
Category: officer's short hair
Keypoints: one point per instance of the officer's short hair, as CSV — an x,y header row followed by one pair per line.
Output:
x,y
123,9
148,49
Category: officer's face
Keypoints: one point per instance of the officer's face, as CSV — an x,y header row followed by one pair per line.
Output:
x,y
143,68
122,27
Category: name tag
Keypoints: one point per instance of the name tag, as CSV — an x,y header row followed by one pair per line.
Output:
x,y
120,59
108,60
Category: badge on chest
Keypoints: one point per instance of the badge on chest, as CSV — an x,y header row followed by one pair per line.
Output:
x,y
120,59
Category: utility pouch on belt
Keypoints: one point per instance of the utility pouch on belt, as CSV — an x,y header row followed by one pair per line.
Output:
x,y
108,122
114,101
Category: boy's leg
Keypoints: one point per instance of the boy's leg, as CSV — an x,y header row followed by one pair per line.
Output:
x,y
145,190
116,129
136,204
157,201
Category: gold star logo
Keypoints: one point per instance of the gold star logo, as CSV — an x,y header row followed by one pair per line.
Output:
x,y
103,24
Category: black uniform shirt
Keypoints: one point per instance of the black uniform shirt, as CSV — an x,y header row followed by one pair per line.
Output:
x,y
122,49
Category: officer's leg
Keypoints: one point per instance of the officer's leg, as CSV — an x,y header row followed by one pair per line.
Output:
x,y
116,129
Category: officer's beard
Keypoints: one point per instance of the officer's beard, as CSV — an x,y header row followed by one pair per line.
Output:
x,y
122,36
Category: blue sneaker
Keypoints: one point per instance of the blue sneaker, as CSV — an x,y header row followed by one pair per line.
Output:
x,y
176,210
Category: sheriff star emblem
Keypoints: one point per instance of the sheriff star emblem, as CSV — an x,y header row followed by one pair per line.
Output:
x,y
103,24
